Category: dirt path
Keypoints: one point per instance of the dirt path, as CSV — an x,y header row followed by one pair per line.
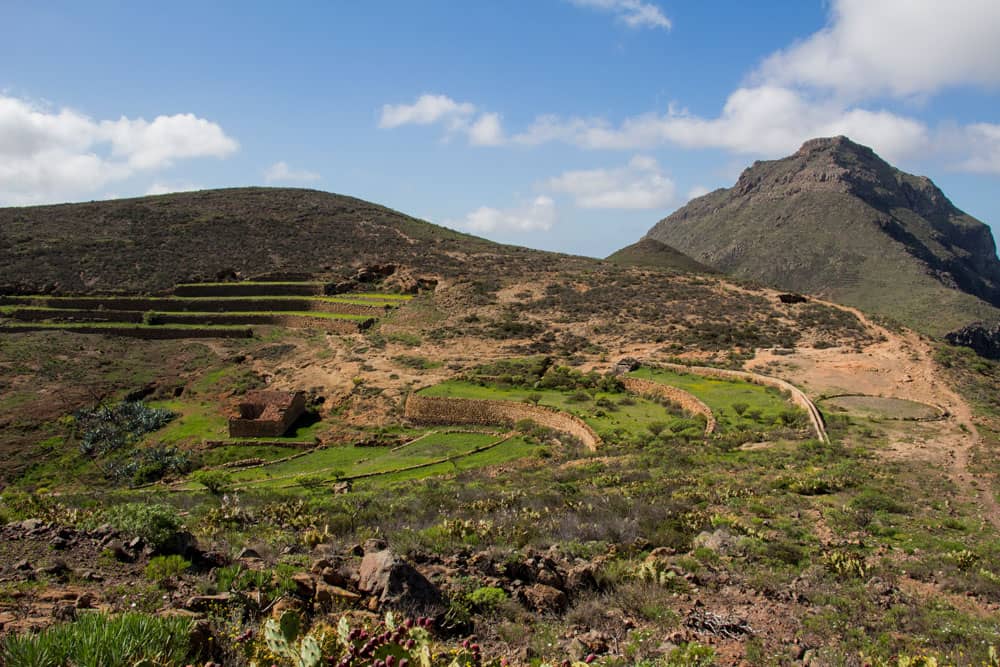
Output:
x,y
900,366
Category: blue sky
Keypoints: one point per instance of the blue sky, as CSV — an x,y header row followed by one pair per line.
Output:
x,y
569,125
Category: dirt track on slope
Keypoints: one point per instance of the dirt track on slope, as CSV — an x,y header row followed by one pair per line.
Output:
x,y
901,366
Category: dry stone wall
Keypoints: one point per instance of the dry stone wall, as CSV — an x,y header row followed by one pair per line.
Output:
x,y
795,394
31,315
214,305
445,410
331,325
146,333
259,289
688,402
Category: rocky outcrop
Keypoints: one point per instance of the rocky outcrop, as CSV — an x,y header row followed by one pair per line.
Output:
x,y
446,410
981,337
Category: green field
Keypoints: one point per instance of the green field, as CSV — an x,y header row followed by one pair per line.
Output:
x,y
342,462
607,413
762,407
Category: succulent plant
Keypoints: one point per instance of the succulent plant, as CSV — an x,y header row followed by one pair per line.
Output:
x,y
282,637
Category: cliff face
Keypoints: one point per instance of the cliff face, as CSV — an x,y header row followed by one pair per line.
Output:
x,y
836,219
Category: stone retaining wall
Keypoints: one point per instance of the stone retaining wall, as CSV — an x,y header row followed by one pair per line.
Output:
x,y
445,410
146,333
31,315
236,305
688,402
242,289
795,394
329,324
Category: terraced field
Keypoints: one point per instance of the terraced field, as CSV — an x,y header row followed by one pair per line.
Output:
x,y
427,453
735,405
200,310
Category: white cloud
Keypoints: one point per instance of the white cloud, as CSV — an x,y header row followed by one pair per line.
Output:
x,y
427,110
538,215
280,172
899,47
48,156
633,13
981,143
697,191
766,120
152,145
486,131
639,185
160,188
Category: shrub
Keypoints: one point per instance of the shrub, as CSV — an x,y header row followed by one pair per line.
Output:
x,y
656,428
215,481
107,428
98,639
163,567
691,654
158,525
740,408
487,598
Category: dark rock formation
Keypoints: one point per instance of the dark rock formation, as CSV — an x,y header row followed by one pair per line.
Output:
x,y
981,337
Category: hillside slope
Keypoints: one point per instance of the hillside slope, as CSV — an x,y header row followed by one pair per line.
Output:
x,y
652,253
835,219
150,243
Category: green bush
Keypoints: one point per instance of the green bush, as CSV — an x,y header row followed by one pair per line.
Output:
x,y
163,567
487,598
100,640
157,525
215,481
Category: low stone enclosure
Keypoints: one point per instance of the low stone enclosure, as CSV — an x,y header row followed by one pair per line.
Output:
x,y
266,414
444,410
688,402
795,394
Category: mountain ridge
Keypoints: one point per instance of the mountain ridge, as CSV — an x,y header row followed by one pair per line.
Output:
x,y
835,219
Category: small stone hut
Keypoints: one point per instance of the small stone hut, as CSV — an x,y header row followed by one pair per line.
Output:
x,y
266,414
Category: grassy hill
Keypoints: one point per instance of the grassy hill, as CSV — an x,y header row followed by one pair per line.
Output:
x,y
149,244
835,219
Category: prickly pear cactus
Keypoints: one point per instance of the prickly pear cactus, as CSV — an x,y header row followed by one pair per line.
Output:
x,y
310,653
282,637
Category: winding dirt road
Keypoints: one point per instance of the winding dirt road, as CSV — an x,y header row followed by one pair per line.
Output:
x,y
901,366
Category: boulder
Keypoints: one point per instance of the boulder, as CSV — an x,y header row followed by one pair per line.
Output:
x,y
248,554
720,541
327,594
543,598
582,577
397,584
305,587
